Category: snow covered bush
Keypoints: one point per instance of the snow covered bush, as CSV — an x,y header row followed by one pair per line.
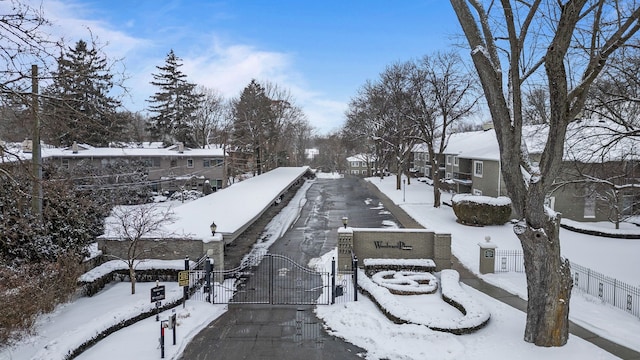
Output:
x,y
186,195
481,210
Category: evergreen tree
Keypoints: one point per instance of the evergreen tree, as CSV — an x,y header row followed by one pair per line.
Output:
x,y
174,105
70,220
77,105
251,113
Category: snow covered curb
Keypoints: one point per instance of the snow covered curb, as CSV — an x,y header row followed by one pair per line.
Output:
x,y
584,228
475,315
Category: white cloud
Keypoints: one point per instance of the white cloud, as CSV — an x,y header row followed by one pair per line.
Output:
x,y
219,64
229,68
70,22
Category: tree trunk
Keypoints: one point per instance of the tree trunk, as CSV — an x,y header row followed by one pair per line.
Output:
x,y
132,278
436,184
549,285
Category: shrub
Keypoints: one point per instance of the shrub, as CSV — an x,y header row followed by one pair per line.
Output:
x,y
481,210
29,290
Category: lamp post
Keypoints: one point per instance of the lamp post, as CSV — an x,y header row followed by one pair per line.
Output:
x,y
213,228
345,220
404,189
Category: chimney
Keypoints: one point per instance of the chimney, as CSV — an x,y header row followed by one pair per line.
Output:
x,y
180,147
74,147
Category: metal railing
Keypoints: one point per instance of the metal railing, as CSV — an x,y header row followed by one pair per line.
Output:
x,y
605,288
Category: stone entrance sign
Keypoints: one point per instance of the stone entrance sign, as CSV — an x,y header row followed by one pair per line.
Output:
x,y
370,243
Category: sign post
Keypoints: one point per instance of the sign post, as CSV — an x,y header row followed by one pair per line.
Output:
x,y
157,294
183,278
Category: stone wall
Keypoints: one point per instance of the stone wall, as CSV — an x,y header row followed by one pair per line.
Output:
x,y
393,244
165,249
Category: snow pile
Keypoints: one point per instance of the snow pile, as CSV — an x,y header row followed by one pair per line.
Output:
x,y
406,282
479,199
475,314
471,319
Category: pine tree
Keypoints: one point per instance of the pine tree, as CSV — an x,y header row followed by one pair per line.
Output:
x,y
251,113
77,106
174,105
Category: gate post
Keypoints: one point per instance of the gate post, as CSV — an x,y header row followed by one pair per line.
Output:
x,y
487,256
271,275
207,278
185,294
354,266
333,281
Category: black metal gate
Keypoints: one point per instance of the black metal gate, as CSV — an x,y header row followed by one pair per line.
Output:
x,y
270,279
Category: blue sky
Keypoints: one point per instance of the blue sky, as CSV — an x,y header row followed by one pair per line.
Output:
x,y
321,51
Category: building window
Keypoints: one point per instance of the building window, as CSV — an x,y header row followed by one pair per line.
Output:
x,y
355,172
354,164
448,159
211,163
477,168
590,203
189,163
456,162
477,192
152,162
363,164
448,176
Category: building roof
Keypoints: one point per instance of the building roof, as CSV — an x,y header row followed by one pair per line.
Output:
x,y
587,141
236,206
84,151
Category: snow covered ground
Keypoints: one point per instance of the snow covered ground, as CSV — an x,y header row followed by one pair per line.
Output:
x,y
361,322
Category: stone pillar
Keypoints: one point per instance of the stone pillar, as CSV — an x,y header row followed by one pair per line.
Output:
x,y
487,256
215,251
442,251
345,246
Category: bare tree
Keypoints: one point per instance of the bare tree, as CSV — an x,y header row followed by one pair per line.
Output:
x,y
23,42
376,115
400,134
208,115
133,224
362,127
535,109
441,94
615,96
571,41
604,169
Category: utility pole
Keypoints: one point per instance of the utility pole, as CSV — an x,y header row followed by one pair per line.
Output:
x,y
36,154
